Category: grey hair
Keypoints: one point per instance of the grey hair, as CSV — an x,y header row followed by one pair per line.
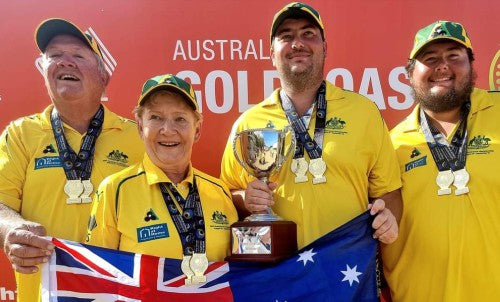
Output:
x,y
100,66
139,109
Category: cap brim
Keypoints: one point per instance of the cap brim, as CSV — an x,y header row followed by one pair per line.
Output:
x,y
416,51
293,13
50,28
171,87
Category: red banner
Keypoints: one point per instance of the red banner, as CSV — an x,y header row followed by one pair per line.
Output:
x,y
222,48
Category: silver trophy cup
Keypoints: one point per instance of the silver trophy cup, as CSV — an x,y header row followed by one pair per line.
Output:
x,y
262,152
263,237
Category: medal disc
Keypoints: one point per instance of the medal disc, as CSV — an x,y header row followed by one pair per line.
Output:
x,y
444,179
88,188
461,180
317,167
299,168
199,264
186,269
73,188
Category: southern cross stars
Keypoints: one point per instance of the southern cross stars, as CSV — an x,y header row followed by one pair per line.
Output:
x,y
351,274
306,256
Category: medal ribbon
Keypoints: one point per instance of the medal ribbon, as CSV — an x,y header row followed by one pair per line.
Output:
x,y
447,156
77,166
312,147
190,224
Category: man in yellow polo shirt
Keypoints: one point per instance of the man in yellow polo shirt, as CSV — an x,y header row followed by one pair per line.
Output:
x,y
51,161
163,206
349,136
448,156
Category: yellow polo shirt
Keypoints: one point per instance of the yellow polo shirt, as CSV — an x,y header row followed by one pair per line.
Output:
x,y
360,160
448,245
32,178
120,211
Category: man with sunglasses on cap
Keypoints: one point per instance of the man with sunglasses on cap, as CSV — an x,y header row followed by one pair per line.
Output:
x,y
51,162
351,161
447,149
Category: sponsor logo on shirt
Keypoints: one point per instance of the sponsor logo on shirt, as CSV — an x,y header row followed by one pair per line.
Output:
x,y
416,163
335,126
415,152
479,144
116,157
150,215
49,149
47,162
152,232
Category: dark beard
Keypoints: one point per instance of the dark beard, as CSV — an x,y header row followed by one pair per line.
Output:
x,y
300,82
453,99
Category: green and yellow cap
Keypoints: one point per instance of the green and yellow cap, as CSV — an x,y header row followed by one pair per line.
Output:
x,y
50,28
440,30
296,10
172,83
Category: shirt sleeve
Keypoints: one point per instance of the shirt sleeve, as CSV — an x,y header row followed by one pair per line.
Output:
x,y
14,161
102,227
384,176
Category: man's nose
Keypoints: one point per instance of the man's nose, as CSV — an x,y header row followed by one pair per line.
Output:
x,y
442,64
297,43
65,61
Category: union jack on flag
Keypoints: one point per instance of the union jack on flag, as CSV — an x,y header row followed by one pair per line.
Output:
x,y
340,266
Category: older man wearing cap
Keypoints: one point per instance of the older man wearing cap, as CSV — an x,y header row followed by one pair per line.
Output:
x,y
351,161
50,161
163,206
448,151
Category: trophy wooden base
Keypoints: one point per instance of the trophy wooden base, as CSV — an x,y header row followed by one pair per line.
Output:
x,y
262,241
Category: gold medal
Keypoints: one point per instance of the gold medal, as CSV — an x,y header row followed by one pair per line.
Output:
x,y
199,264
317,167
186,270
73,188
88,188
460,182
299,168
444,179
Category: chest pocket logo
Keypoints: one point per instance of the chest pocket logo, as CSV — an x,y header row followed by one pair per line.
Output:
x,y
152,232
47,162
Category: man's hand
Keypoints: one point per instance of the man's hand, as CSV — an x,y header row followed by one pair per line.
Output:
x,y
259,196
26,247
385,224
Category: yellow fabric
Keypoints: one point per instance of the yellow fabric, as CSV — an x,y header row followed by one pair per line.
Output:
x,y
448,245
37,193
358,154
125,198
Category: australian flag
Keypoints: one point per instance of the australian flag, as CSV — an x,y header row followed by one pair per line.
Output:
x,y
340,266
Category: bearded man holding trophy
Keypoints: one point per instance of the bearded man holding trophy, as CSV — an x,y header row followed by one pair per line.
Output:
x,y
342,163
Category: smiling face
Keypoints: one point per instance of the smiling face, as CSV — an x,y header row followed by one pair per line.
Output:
x,y
442,78
169,127
72,71
298,51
